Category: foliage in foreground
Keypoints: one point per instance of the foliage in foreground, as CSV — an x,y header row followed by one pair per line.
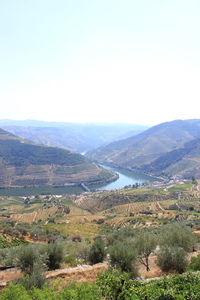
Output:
x,y
113,285
116,285
82,291
195,263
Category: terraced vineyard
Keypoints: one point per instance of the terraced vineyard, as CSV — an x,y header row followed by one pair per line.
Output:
x,y
89,213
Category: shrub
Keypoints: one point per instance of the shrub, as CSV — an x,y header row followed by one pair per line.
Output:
x,y
84,253
83,291
35,279
172,259
113,284
195,263
71,260
55,255
27,257
15,292
123,257
97,251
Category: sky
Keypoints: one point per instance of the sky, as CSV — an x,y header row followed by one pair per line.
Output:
x,y
100,60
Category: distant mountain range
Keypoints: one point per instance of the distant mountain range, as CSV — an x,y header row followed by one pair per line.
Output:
x,y
170,148
23,163
75,137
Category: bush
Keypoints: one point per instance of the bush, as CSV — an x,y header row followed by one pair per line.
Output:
x,y
123,257
27,257
113,284
195,263
172,259
97,251
71,260
35,279
84,253
83,291
15,292
55,255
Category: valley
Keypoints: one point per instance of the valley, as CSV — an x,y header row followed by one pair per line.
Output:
x,y
66,220
168,149
76,221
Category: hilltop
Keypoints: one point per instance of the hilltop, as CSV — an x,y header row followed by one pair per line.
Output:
x,y
23,163
141,151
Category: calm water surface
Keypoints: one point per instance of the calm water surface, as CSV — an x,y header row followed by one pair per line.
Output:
x,y
125,178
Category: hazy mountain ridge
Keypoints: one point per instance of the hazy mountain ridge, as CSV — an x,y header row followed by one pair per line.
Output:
x,y
141,151
23,163
76,137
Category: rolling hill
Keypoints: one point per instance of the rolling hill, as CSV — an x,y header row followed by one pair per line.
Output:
x,y
140,151
76,137
23,163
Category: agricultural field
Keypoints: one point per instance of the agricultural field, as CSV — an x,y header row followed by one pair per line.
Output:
x,y
74,223
87,214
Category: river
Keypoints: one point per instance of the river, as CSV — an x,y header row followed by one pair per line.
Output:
x,y
126,177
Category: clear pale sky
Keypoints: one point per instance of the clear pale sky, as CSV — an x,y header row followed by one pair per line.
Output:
x,y
135,61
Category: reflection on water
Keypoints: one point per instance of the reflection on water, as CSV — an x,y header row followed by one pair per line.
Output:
x,y
126,177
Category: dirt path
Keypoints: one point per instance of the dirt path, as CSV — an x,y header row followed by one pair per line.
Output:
x,y
9,275
83,273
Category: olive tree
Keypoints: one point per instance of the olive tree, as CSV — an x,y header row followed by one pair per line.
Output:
x,y
178,235
123,256
145,244
172,259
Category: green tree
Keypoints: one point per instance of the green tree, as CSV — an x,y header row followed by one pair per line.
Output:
x,y
123,257
27,257
172,259
97,251
178,235
145,244
55,255
36,278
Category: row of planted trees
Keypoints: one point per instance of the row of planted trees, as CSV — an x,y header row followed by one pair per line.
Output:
x,y
171,244
123,249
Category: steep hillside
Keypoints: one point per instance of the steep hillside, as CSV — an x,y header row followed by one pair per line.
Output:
x,y
24,163
184,161
138,151
72,136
